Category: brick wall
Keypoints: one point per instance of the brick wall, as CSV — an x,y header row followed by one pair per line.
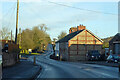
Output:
x,y
78,52
9,59
0,60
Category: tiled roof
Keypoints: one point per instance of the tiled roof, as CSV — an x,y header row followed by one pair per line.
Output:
x,y
69,36
115,38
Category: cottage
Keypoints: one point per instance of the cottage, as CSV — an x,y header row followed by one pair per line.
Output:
x,y
77,43
114,44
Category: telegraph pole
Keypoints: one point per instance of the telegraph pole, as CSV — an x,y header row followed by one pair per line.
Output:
x,y
11,36
17,21
19,36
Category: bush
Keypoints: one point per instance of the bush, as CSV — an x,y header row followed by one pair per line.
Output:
x,y
17,50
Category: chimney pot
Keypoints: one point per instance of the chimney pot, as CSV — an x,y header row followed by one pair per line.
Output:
x,y
81,27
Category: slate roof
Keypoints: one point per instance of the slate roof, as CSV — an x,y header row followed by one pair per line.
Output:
x,y
115,38
69,36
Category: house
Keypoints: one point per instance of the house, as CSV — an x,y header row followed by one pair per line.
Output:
x,y
76,44
114,44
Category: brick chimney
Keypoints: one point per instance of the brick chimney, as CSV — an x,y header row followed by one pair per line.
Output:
x,y
81,27
72,29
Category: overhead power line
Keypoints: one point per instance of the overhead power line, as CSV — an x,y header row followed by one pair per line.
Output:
x,y
81,8
11,17
7,12
8,17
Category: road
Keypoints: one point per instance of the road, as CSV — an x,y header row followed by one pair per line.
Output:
x,y
59,69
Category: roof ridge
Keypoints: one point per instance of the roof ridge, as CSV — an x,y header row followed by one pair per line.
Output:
x,y
115,36
69,36
95,35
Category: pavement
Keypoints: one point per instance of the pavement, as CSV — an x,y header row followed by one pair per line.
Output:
x,y
25,69
101,63
0,71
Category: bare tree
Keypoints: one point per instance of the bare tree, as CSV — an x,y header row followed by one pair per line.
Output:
x,y
5,33
43,27
62,34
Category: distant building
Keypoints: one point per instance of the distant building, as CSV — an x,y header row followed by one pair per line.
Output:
x,y
114,44
75,45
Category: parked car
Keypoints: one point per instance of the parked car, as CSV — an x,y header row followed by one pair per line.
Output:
x,y
93,55
113,58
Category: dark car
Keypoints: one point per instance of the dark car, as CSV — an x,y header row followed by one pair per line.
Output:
x,y
113,58
93,55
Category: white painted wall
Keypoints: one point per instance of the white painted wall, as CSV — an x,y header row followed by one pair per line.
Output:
x,y
57,46
57,49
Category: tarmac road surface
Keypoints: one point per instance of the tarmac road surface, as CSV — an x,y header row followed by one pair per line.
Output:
x,y
61,69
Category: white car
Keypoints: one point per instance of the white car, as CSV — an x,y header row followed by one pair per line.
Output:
x,y
113,58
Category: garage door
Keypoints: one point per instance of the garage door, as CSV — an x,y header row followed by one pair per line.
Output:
x,y
117,48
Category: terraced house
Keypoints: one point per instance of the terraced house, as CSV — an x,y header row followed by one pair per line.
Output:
x,y
77,43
